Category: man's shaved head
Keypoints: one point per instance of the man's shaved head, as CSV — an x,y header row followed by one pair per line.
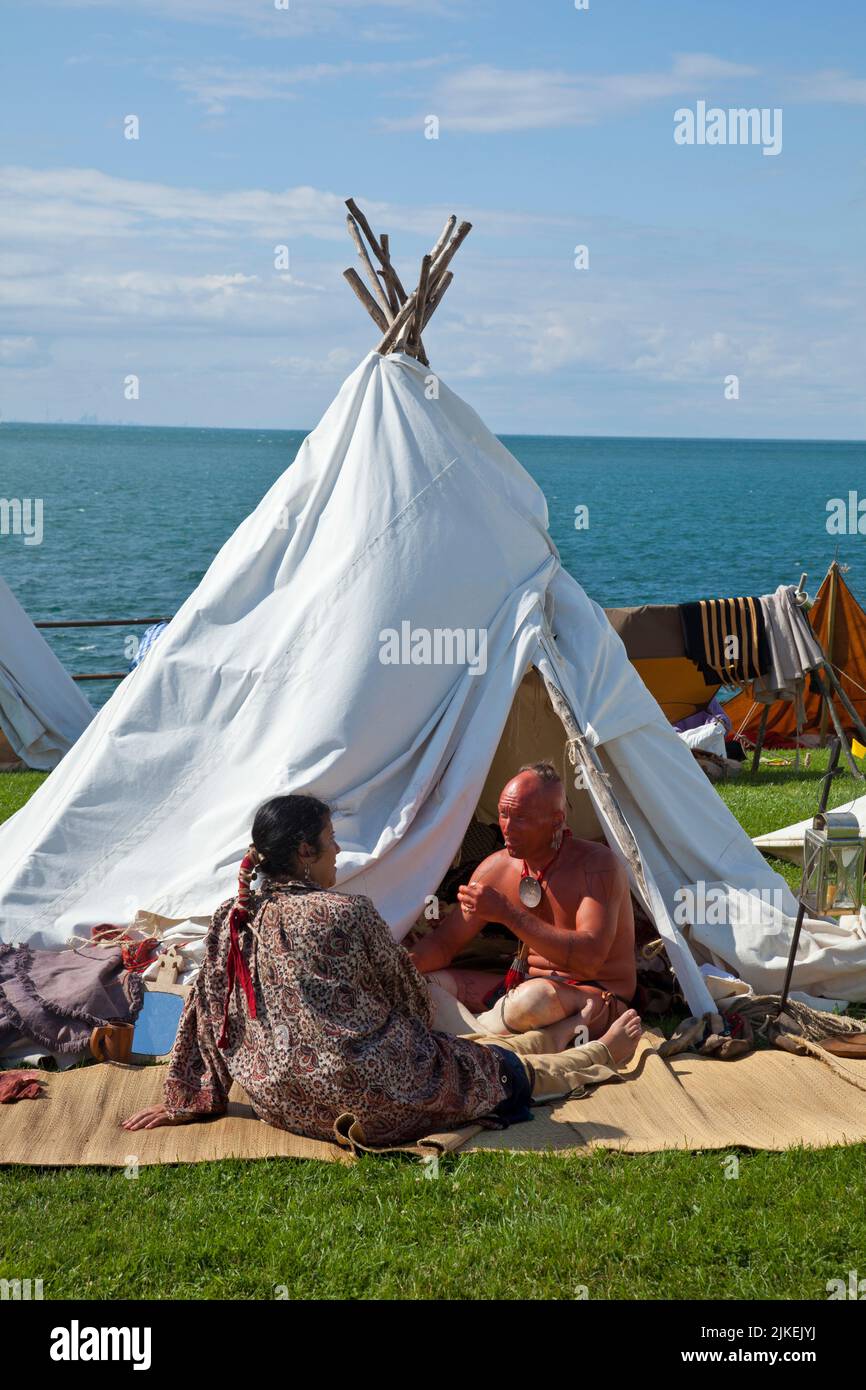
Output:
x,y
544,771
532,810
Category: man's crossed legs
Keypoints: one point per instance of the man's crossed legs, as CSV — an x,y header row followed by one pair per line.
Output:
x,y
536,1003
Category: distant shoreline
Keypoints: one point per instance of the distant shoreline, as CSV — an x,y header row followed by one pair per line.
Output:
x,y
507,434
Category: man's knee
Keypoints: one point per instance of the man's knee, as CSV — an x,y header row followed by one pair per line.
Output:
x,y
532,1005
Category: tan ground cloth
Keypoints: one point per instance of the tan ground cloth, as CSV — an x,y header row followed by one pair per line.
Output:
x,y
768,1100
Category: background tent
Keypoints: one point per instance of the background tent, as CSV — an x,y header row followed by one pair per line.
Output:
x,y
787,843
401,514
840,626
653,638
42,711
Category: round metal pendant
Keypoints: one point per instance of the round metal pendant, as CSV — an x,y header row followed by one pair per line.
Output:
x,y
530,892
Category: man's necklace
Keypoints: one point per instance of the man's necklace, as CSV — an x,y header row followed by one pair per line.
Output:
x,y
531,889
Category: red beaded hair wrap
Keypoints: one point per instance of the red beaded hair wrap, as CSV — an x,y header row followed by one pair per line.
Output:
x,y
236,966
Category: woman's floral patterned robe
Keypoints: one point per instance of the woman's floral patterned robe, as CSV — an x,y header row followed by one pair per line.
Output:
x,y
343,1026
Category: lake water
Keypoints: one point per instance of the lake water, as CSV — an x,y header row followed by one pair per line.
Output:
x,y
133,517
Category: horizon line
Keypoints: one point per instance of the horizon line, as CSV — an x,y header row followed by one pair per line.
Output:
x,y
504,434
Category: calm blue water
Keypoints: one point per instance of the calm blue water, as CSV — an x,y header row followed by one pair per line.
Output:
x,y
134,516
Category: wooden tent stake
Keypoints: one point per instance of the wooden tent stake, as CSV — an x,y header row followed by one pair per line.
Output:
x,y
762,729
846,703
840,732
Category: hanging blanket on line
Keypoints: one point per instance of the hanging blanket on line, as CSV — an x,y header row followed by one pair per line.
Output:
x,y
726,638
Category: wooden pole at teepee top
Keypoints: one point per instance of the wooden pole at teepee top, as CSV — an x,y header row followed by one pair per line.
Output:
x,y
368,266
440,265
434,302
416,324
445,234
369,303
393,333
376,246
387,279
365,227
401,317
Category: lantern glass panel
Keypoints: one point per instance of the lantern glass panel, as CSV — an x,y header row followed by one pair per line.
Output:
x,y
832,874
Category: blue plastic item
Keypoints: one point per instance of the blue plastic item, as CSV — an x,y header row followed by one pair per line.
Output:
x,y
157,1024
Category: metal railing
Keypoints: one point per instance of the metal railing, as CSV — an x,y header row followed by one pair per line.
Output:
x,y
100,622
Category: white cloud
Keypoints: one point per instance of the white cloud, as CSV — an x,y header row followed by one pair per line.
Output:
x,y
337,360
105,273
62,206
52,204
490,100
20,351
80,299
91,254
830,85
262,17
213,86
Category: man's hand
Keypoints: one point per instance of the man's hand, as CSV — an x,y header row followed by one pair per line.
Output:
x,y
484,903
154,1117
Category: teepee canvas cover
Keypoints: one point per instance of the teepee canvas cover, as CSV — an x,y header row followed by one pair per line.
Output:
x,y
42,712
300,663
398,508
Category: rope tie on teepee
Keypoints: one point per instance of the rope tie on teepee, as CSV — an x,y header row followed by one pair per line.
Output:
x,y
237,969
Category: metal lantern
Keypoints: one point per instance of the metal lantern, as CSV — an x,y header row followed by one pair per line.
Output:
x,y
833,863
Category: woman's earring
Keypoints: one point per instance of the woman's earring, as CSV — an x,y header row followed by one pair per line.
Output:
x,y
557,839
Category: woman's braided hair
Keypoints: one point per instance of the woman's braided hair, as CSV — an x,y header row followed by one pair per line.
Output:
x,y
281,826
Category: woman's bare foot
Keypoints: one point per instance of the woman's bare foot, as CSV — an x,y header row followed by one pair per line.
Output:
x,y
623,1036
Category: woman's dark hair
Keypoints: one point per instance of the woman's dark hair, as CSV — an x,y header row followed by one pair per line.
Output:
x,y
281,826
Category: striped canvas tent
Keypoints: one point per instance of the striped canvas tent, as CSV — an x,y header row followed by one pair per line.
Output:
x,y
652,635
840,626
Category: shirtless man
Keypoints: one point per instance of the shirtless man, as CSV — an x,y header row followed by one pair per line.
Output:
x,y
579,938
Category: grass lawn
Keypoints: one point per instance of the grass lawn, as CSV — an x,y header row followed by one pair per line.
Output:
x,y
663,1226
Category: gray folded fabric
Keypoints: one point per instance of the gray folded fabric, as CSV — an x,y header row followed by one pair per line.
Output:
x,y
794,650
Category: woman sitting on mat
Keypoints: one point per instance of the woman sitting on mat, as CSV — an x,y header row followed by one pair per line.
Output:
x,y
305,1001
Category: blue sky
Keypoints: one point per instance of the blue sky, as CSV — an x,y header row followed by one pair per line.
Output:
x,y
156,256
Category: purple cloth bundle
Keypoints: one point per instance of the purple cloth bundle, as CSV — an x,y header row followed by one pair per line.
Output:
x,y
58,997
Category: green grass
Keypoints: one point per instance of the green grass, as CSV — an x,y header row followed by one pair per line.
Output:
x,y
663,1226
15,789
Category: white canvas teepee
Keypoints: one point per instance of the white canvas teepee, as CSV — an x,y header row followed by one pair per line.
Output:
x,y
42,711
401,516
787,842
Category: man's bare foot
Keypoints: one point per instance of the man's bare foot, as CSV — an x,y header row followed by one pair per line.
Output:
x,y
559,1036
623,1036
